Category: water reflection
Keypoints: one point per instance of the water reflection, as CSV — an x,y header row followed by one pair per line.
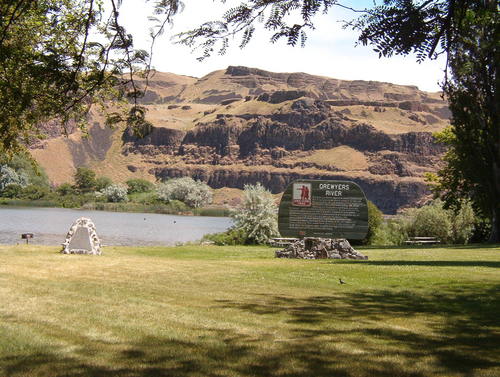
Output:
x,y
50,226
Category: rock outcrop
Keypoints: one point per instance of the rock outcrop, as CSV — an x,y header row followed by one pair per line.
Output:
x,y
245,125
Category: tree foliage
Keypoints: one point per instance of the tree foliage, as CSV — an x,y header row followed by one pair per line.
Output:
x,y
375,220
431,220
138,185
58,57
85,179
9,176
193,193
257,218
115,193
473,158
102,182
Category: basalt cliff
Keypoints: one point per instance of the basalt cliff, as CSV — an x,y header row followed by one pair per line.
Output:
x,y
244,125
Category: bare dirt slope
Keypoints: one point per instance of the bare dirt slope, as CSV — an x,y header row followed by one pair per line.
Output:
x,y
244,125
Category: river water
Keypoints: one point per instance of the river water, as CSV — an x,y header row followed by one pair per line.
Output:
x,y
50,225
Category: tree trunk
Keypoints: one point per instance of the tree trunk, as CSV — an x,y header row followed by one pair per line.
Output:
x,y
495,226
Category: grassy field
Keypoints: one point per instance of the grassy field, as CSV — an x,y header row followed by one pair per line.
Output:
x,y
237,311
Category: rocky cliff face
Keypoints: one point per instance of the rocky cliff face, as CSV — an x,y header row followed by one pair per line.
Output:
x,y
245,125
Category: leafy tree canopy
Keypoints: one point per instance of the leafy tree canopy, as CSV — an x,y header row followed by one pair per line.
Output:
x,y
58,57
85,179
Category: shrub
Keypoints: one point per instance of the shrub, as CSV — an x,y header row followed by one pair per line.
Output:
x,y
145,198
8,176
136,186
177,206
193,193
85,179
65,189
230,237
257,217
102,182
463,224
33,192
115,193
431,221
23,164
71,200
375,220
12,191
391,232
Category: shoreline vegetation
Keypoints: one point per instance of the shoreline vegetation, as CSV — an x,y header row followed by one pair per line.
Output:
x,y
24,184
159,208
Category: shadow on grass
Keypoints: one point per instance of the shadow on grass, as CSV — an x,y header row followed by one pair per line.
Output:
x,y
430,263
425,247
342,335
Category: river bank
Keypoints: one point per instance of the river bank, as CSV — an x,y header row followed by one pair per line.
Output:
x,y
132,207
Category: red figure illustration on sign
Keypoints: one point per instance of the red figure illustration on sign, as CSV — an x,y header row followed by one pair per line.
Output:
x,y
304,193
301,195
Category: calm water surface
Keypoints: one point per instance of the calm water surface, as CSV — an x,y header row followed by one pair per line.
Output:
x,y
50,225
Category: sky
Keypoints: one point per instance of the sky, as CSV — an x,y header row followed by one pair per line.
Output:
x,y
330,50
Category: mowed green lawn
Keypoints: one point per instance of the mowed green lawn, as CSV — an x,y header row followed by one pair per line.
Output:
x,y
238,311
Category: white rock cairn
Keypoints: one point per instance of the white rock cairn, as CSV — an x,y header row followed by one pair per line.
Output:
x,y
82,238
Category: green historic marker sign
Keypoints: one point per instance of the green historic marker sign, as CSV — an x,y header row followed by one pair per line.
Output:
x,y
329,209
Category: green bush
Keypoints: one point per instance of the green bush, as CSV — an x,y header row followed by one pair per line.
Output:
x,y
115,193
33,192
230,237
102,182
65,189
23,164
76,200
144,198
431,221
194,193
9,176
391,232
463,223
136,186
375,220
85,179
257,218
12,191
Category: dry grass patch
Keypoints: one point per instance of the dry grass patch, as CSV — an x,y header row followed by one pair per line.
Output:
x,y
342,158
392,120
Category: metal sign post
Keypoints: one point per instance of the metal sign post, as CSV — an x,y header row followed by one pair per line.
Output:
x,y
27,237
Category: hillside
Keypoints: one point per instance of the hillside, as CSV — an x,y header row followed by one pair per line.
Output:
x,y
244,125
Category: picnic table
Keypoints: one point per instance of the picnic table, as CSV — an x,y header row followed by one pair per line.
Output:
x,y
281,242
422,241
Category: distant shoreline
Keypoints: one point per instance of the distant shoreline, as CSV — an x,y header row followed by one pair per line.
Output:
x,y
214,211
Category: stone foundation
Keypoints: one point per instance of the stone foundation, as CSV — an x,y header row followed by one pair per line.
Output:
x,y
320,248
